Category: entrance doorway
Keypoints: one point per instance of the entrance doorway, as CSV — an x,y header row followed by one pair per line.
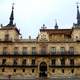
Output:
x,y
43,69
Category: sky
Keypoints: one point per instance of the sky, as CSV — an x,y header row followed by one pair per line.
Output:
x,y
30,15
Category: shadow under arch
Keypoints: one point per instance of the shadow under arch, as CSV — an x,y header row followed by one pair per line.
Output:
x,y
43,69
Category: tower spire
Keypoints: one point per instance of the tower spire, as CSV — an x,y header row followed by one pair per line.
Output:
x,y
56,25
12,15
78,15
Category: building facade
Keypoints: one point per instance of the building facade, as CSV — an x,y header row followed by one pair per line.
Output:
x,y
54,53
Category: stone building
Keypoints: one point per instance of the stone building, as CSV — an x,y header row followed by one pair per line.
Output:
x,y
54,53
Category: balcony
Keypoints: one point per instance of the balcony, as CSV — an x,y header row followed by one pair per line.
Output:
x,y
43,52
64,66
6,40
40,54
15,52
24,52
65,53
18,65
53,53
34,53
5,52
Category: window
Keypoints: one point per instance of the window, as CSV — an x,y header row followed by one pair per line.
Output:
x,y
5,50
14,70
33,50
63,62
3,70
43,51
53,62
24,51
6,37
15,62
3,61
16,50
62,70
33,61
53,70
72,62
24,62
32,70
23,70
71,50
62,50
53,50
72,71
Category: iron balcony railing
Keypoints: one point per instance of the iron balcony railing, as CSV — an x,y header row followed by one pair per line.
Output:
x,y
65,66
41,53
18,65
24,52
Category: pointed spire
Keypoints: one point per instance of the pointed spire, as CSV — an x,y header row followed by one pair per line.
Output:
x,y
56,25
12,15
78,15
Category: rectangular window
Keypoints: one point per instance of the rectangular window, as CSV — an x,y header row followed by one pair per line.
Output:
x,y
72,62
33,61
24,51
32,70
6,37
43,51
15,62
5,50
62,70
63,62
53,70
53,50
3,61
33,50
24,62
23,70
53,62
15,50
3,70
72,71
14,70
71,50
62,49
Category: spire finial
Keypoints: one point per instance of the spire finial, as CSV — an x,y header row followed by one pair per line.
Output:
x,y
56,25
78,14
12,15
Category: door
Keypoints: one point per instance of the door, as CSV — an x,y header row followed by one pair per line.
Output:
x,y
43,69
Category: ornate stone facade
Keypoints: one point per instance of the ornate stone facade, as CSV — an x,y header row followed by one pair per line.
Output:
x,y
54,53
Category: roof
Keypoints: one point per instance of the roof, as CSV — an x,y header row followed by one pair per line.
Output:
x,y
57,31
10,28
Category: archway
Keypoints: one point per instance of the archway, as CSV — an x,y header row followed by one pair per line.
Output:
x,y
43,69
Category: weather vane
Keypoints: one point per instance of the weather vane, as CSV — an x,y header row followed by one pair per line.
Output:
x,y
13,5
77,3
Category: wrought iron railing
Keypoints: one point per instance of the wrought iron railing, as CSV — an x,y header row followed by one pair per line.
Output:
x,y
64,66
57,53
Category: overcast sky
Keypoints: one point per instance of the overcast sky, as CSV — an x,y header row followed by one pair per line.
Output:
x,y
30,15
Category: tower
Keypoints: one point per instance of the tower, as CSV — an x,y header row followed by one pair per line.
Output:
x,y
10,32
76,27
78,15
11,16
56,25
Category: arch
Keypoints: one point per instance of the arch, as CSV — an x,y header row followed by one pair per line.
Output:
x,y
43,69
